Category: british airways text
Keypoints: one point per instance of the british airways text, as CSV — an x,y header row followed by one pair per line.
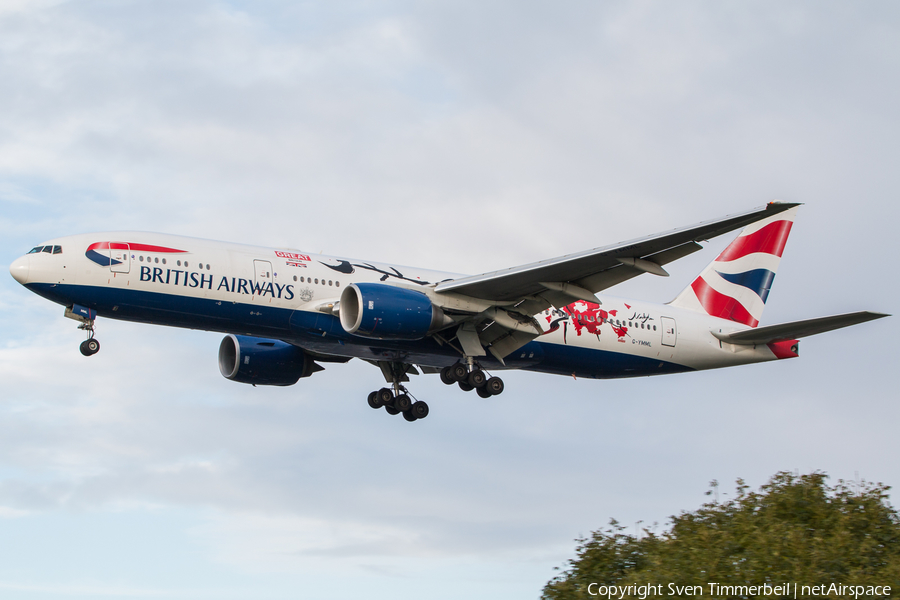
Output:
x,y
204,280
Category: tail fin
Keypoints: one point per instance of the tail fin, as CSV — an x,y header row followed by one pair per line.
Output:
x,y
735,285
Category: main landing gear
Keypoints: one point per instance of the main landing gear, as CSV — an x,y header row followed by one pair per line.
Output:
x,y
471,377
398,401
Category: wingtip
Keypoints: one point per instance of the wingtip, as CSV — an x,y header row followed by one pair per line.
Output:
x,y
779,205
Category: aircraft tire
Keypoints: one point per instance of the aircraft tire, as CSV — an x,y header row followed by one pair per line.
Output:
x,y
89,347
483,392
391,410
459,372
409,416
447,376
373,400
419,410
494,385
402,403
385,395
464,386
476,378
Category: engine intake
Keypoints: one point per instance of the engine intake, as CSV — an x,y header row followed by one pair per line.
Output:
x,y
386,312
260,361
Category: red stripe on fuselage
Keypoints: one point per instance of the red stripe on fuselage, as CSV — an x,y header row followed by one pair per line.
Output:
x,y
720,305
770,239
132,246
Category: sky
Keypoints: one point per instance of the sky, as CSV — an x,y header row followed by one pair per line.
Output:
x,y
465,138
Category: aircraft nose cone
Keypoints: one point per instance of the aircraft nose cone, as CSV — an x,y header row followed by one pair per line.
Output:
x,y
19,269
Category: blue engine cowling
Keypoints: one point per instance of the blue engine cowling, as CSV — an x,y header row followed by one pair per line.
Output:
x,y
259,361
386,312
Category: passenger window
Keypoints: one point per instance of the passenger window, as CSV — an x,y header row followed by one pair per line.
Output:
x,y
57,249
317,280
329,282
156,259
179,263
164,261
185,264
295,278
337,284
141,258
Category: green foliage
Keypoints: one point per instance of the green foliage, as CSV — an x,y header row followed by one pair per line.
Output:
x,y
795,529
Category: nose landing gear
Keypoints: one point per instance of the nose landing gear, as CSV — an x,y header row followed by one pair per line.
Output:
x,y
85,317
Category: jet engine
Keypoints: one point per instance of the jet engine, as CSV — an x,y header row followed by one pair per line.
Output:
x,y
386,312
259,361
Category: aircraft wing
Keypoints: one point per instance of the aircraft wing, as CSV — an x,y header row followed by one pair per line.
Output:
x,y
796,329
562,280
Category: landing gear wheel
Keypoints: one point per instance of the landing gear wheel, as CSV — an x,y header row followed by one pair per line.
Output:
x,y
374,401
89,347
465,386
419,410
409,416
483,392
402,402
391,410
494,385
447,375
385,395
459,372
477,378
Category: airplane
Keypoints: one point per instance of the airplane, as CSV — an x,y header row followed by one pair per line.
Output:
x,y
285,312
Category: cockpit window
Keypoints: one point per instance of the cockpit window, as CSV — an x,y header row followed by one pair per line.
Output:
x,y
47,249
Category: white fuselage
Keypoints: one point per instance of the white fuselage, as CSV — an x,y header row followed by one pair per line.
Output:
x,y
280,293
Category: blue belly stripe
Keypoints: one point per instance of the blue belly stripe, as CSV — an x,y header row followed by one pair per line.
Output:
x,y
323,333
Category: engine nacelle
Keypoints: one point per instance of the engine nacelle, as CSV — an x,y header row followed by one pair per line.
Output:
x,y
259,361
386,312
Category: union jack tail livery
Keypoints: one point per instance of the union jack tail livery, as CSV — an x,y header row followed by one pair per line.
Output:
x,y
735,285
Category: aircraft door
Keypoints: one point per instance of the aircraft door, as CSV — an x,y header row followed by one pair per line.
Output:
x,y
119,258
262,276
669,333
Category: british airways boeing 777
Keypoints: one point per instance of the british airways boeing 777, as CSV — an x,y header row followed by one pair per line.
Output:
x,y
285,311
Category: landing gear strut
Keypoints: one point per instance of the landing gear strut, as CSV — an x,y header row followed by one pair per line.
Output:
x,y
472,377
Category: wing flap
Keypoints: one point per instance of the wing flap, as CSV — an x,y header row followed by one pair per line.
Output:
x,y
796,329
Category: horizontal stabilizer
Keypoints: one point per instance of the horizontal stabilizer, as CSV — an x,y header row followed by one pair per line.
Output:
x,y
796,329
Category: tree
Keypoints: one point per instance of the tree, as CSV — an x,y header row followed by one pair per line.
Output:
x,y
796,529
